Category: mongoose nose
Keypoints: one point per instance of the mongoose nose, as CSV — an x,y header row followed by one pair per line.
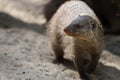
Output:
x,y
65,30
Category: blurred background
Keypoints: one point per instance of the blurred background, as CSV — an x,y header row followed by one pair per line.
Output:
x,y
25,53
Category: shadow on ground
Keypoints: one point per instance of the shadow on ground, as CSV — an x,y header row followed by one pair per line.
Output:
x,y
112,44
7,21
103,72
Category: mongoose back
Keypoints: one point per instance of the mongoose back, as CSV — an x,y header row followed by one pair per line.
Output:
x,y
75,29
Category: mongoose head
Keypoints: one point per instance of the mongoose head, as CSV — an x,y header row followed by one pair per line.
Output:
x,y
82,27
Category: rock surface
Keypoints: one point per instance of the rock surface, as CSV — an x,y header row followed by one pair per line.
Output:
x,y
25,53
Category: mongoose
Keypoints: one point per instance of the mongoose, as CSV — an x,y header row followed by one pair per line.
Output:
x,y
76,30
108,12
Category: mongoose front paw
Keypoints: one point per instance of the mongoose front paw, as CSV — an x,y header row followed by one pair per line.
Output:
x,y
57,61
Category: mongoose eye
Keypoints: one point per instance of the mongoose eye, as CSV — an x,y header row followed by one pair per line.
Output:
x,y
77,26
93,26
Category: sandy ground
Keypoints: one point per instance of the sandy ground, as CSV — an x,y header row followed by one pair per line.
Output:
x,y
25,53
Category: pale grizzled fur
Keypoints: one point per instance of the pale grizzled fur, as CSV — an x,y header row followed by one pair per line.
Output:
x,y
65,15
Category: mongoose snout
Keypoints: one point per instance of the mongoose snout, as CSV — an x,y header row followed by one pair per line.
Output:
x,y
82,26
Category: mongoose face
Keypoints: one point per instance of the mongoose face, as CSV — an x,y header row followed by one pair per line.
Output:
x,y
81,27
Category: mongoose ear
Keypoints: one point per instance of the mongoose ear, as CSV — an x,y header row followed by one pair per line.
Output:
x,y
94,24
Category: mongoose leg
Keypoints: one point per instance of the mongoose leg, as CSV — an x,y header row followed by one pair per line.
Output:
x,y
78,61
93,64
58,54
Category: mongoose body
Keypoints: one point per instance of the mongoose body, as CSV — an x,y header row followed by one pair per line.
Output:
x,y
75,29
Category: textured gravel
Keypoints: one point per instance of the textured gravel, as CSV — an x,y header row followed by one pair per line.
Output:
x,y
25,53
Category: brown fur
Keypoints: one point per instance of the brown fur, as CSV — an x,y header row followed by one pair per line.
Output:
x,y
68,42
